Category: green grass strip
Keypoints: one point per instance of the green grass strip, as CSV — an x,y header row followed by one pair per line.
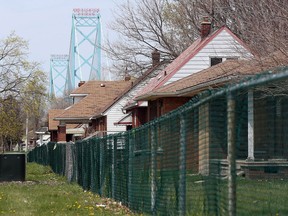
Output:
x,y
44,193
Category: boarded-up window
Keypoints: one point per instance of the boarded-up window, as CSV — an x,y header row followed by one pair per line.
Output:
x,y
214,61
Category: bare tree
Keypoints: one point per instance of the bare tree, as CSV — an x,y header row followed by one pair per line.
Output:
x,y
60,103
261,24
143,26
171,26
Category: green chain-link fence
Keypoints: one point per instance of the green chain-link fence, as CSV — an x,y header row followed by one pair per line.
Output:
x,y
223,153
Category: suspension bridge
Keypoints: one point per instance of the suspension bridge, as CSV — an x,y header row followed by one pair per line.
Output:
x,y
84,60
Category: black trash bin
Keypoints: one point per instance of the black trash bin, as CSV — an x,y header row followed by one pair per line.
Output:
x,y
12,167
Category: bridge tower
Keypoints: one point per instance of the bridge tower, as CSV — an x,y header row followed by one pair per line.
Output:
x,y
85,47
58,72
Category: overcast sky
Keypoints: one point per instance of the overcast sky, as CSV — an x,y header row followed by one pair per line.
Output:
x,y
46,24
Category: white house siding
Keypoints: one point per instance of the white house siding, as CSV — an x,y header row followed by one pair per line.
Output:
x,y
223,45
114,113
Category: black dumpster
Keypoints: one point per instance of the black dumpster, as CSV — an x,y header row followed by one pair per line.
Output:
x,y
12,167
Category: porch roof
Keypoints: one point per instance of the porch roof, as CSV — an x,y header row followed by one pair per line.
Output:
x,y
125,120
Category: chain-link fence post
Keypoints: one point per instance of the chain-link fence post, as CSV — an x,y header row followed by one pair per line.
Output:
x,y
231,154
101,171
114,149
130,160
75,163
153,168
69,162
182,167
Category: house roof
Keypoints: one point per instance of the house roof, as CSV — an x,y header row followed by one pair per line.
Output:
x,y
182,59
147,73
52,124
100,93
52,113
218,75
87,88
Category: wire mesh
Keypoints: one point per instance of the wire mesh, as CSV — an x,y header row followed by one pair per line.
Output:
x,y
223,153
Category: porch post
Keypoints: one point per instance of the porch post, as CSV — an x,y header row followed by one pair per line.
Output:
x,y
250,126
61,133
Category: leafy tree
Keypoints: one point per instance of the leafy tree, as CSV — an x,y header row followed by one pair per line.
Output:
x,y
15,68
10,124
22,89
34,97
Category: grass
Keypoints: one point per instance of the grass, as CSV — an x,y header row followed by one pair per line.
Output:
x,y
262,197
209,196
45,193
254,197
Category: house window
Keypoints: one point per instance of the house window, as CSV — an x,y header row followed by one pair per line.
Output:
x,y
214,61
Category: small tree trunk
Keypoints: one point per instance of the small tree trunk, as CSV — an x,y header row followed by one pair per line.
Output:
x,y
2,143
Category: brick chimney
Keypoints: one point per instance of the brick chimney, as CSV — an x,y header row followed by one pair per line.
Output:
x,y
81,83
155,57
127,76
61,133
205,27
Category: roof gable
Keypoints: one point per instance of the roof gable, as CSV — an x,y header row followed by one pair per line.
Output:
x,y
183,58
220,73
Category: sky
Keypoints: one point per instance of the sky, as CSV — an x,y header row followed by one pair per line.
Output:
x,y
46,24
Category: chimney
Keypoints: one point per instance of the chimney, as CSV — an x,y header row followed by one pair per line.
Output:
x,y
155,57
127,76
205,27
81,83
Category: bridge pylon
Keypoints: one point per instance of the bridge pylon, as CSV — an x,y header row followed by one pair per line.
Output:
x,y
58,73
85,46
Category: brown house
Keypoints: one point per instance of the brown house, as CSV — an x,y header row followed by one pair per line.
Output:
x,y
71,129
89,99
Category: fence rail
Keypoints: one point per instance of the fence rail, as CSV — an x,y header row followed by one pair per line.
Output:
x,y
212,156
